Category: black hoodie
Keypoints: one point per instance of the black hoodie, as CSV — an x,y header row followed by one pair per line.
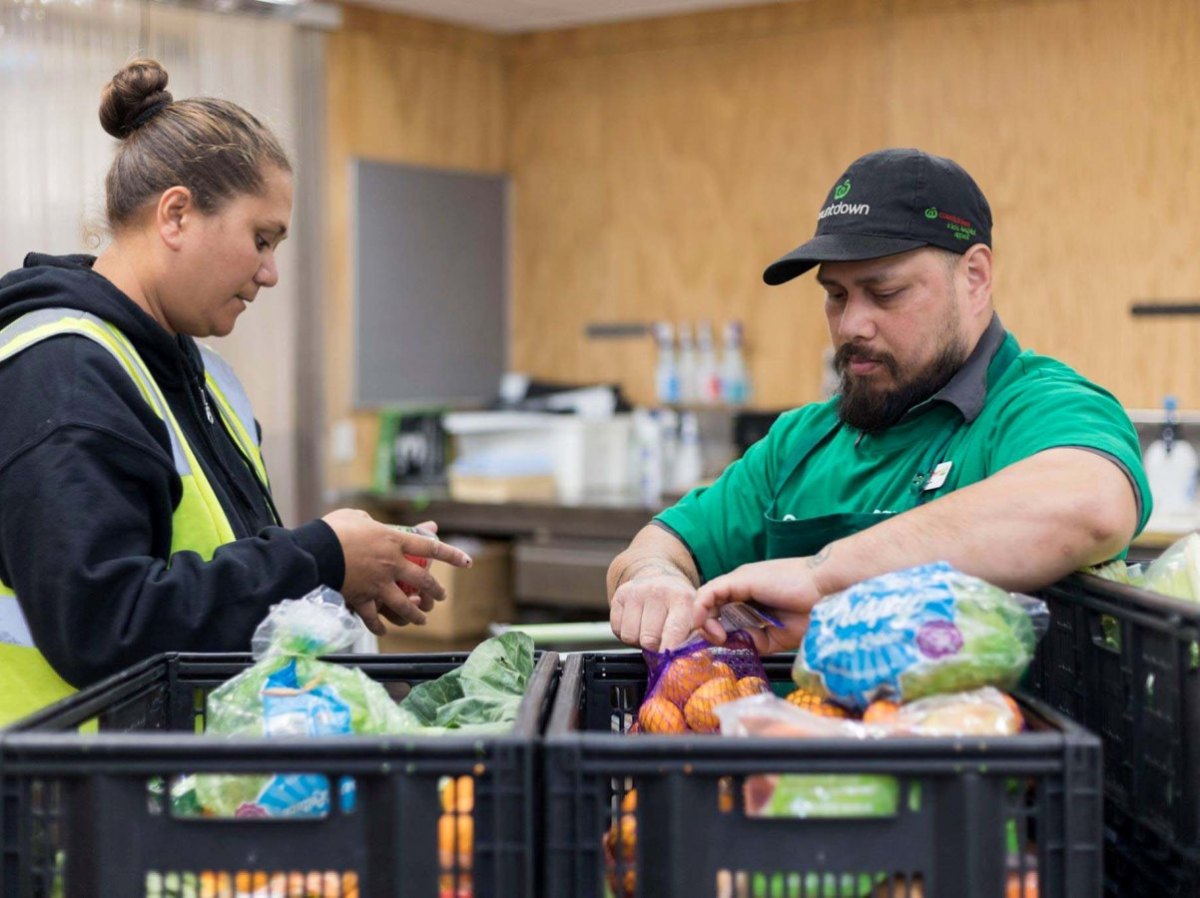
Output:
x,y
88,488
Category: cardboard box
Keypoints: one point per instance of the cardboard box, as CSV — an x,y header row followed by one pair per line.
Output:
x,y
475,597
477,488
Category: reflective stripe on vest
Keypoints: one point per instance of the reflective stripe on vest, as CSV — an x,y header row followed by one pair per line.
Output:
x,y
199,524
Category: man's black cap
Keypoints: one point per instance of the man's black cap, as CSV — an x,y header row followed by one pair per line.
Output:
x,y
889,202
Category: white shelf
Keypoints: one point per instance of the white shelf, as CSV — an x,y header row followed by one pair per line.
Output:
x,y
1157,416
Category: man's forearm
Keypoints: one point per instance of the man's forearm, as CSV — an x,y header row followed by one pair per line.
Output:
x,y
653,552
1026,526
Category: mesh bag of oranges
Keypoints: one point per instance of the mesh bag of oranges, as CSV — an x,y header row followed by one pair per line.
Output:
x,y
687,684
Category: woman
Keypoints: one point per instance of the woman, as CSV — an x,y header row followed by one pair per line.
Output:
x,y
135,512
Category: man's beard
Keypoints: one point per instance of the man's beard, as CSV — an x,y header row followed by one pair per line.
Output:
x,y
871,409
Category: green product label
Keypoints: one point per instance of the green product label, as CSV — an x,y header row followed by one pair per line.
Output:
x,y
832,796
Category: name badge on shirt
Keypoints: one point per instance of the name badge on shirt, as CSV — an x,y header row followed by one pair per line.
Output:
x,y
939,475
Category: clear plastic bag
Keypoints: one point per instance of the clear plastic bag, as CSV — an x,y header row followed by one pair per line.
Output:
x,y
289,693
917,632
1176,572
687,684
767,715
979,712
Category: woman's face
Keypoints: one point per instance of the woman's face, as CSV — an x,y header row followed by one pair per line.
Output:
x,y
228,257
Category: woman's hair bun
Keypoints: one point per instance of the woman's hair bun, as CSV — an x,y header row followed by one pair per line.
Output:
x,y
133,91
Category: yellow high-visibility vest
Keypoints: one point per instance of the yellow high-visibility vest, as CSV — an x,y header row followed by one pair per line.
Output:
x,y
199,524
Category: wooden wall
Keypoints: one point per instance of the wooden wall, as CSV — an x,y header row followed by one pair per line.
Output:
x,y
659,165
399,89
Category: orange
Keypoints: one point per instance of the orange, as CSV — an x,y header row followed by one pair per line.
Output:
x,y
880,711
684,676
1016,709
657,715
457,794
700,710
813,703
629,802
721,669
456,835
1015,888
748,686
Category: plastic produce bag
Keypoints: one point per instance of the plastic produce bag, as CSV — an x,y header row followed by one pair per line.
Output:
x,y
768,715
1118,572
922,631
289,693
687,684
1176,572
980,712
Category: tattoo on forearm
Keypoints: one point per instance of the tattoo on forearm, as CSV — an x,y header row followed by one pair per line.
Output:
x,y
821,557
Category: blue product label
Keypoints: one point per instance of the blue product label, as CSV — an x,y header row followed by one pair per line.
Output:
x,y
862,640
295,795
290,709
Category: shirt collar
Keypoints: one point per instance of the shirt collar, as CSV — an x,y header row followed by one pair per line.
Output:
x,y
967,389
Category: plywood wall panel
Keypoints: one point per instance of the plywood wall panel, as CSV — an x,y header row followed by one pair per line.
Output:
x,y
658,165
1079,120
718,134
694,165
408,91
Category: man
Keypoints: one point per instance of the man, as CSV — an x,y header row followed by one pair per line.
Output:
x,y
946,441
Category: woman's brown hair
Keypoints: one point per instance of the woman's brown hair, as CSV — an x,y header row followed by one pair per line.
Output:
x,y
214,148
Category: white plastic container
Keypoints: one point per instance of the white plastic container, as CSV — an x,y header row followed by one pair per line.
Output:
x,y
586,455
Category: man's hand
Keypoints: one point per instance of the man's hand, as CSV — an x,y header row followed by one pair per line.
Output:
x,y
652,591
654,608
375,565
786,586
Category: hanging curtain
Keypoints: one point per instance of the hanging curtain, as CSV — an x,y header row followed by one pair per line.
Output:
x,y
55,56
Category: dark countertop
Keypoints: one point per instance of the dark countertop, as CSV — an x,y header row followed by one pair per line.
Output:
x,y
612,517
615,517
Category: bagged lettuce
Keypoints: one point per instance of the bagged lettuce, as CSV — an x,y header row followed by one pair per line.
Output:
x,y
290,693
1176,572
922,631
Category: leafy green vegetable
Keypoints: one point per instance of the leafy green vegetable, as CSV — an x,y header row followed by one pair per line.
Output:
x,y
1175,573
481,696
917,632
998,644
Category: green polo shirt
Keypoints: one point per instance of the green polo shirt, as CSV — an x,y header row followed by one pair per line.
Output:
x,y
996,418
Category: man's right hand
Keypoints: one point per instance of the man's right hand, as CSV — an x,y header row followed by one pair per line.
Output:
x,y
652,591
375,564
654,609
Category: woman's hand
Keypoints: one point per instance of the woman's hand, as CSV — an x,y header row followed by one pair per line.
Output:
x,y
376,566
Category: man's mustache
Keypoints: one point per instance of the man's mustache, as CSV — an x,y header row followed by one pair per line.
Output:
x,y
850,353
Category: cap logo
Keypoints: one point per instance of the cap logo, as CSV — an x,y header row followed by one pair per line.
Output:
x,y
959,227
842,190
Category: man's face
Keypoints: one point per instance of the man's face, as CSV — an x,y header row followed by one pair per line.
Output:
x,y
896,325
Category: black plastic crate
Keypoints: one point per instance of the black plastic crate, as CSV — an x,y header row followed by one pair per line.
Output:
x,y
1125,663
1139,864
963,803
84,815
